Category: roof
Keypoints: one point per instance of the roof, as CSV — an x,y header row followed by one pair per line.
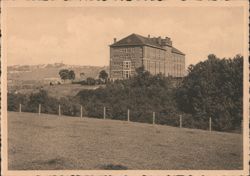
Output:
x,y
174,50
135,40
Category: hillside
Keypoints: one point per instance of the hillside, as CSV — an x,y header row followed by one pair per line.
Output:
x,y
62,90
49,142
40,72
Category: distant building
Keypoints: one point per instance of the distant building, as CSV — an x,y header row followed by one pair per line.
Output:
x,y
157,55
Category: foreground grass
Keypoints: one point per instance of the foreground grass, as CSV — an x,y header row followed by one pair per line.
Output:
x,y
49,142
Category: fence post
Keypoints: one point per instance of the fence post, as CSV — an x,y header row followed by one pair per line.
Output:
x,y
210,124
81,111
153,118
180,121
39,109
20,107
59,110
104,112
128,115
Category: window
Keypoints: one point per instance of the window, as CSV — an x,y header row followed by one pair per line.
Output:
x,y
126,69
126,74
126,65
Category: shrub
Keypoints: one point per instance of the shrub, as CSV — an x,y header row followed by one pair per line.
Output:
x,y
13,101
90,81
69,106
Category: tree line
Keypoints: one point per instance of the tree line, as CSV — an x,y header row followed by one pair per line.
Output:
x,y
66,74
212,89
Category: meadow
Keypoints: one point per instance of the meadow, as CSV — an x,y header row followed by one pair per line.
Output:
x,y
49,142
57,91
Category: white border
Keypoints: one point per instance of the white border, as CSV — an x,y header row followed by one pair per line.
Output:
x,y
77,3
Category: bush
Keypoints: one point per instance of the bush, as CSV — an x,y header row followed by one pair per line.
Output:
x,y
90,81
142,94
48,104
70,107
13,101
78,82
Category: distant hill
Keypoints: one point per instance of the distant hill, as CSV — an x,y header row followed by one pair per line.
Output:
x,y
47,71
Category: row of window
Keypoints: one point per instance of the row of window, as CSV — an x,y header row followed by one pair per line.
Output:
x,y
126,50
124,64
176,59
124,74
154,67
154,53
127,57
160,67
176,70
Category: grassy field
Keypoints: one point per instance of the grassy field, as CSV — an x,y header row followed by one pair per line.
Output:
x,y
62,90
53,142
34,73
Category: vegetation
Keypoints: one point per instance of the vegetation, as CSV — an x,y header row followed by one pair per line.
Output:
x,y
49,104
142,94
90,81
103,75
67,74
213,88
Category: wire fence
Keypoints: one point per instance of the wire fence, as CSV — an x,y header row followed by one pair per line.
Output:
x,y
104,112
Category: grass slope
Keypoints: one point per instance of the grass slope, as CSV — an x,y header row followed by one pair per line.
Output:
x,y
52,142
41,73
62,90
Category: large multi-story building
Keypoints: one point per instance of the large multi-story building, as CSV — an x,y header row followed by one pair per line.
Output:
x,y
157,55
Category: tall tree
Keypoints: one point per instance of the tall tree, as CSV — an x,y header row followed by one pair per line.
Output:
x,y
71,75
214,88
67,74
103,75
64,74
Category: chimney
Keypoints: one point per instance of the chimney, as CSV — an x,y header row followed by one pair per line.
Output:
x,y
114,40
148,36
168,41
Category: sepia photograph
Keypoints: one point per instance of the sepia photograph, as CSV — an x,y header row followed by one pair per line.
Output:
x,y
125,87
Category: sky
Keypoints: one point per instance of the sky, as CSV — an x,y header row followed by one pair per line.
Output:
x,y
82,35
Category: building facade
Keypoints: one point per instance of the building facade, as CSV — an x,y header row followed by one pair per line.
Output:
x,y
157,55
